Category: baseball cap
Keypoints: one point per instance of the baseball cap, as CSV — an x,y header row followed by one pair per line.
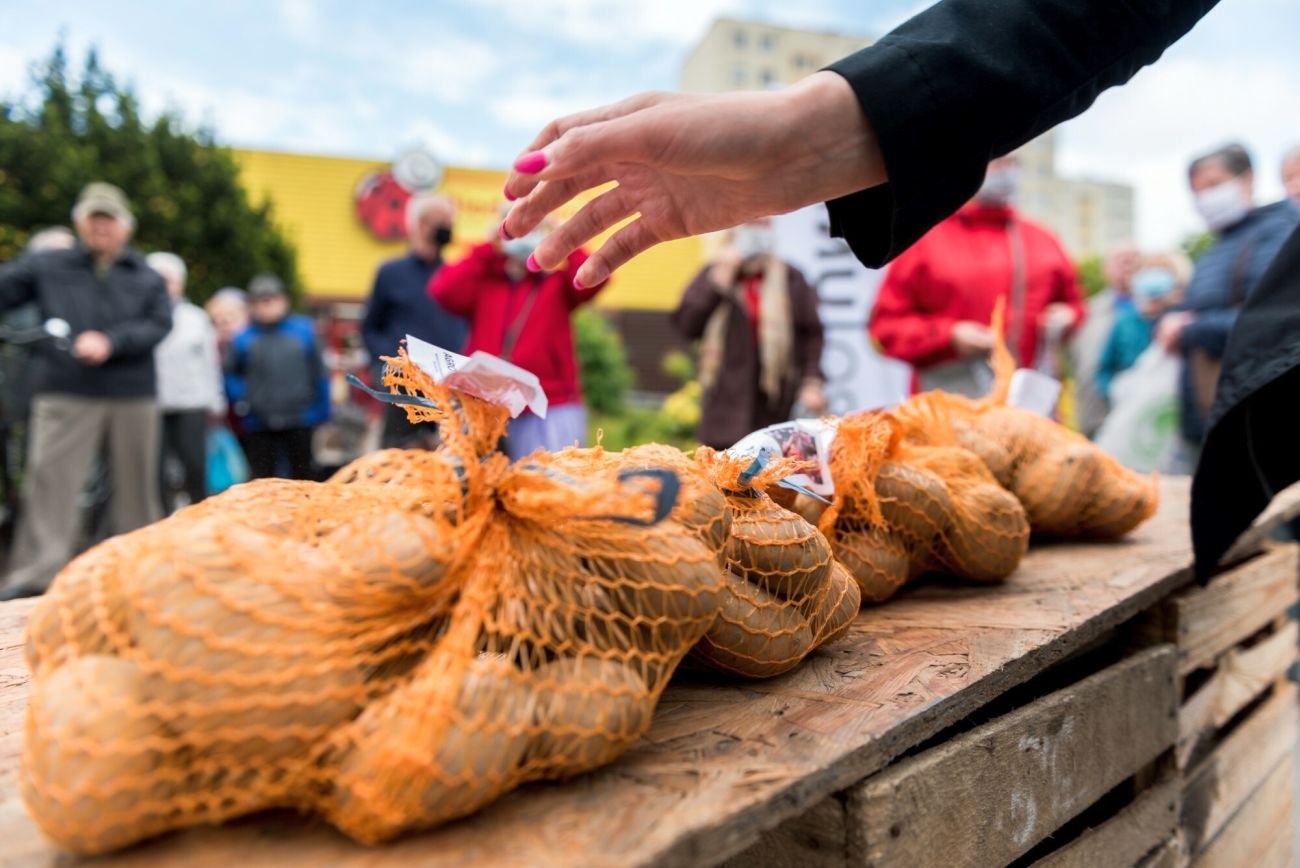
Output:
x,y
265,284
99,197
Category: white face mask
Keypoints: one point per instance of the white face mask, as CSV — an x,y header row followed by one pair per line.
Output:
x,y
751,241
999,187
1224,204
523,247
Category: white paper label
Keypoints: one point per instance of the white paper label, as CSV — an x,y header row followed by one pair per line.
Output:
x,y
482,375
805,440
1034,391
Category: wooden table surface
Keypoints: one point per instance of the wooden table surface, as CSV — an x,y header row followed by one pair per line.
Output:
x,y
723,761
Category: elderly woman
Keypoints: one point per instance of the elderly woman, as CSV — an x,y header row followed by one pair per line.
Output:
x,y
189,383
760,337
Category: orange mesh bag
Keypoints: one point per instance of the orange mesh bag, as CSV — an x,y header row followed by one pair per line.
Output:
x,y
1067,484
391,650
901,511
783,594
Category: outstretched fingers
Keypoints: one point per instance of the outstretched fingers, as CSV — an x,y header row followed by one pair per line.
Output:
x,y
593,218
633,239
579,149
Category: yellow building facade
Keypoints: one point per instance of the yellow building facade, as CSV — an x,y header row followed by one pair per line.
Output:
x,y
312,198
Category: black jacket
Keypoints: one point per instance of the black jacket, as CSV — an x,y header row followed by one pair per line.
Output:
x,y
129,304
968,80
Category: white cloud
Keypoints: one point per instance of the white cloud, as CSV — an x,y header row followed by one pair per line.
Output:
x,y
614,24
13,70
300,18
1146,132
448,148
882,24
449,67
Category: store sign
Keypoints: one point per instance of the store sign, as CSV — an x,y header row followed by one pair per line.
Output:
x,y
380,197
857,377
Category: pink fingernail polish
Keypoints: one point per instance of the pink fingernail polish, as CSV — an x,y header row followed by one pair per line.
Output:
x,y
531,163
531,264
510,197
504,232
578,284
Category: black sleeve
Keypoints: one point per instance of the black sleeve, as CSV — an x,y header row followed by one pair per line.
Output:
x,y
970,80
17,282
138,336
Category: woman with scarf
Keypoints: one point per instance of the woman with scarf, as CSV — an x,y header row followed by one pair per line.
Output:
x,y
760,338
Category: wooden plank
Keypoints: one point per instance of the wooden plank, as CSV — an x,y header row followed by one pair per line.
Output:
x,y
1262,833
1126,838
989,795
1235,605
13,690
726,761
1284,508
1129,836
1167,855
1219,786
1241,676
818,839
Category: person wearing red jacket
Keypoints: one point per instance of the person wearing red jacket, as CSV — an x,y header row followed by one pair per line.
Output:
x,y
523,315
936,302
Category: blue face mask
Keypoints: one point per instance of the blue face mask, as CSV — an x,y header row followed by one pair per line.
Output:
x,y
1151,283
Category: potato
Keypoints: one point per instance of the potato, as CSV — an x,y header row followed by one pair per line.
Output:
x,y
837,607
810,508
878,561
756,635
92,774
1057,488
914,502
589,710
988,536
777,550
415,759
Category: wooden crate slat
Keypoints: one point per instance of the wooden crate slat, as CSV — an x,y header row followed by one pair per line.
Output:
x,y
13,690
989,795
1167,855
1281,511
818,839
1127,837
1241,676
1221,783
1260,834
1235,605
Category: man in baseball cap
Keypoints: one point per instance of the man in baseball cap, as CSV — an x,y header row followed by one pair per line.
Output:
x,y
101,386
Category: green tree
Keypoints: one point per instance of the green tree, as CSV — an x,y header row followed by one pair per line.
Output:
x,y
1195,245
606,374
184,188
1092,277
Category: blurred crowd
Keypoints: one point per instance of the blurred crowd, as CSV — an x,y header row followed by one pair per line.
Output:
x,y
131,401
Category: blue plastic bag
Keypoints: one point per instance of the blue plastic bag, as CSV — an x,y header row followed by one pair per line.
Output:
x,y
226,463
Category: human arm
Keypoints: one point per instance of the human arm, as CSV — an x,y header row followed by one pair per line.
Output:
x,y
456,286
698,303
901,323
138,335
925,108
374,323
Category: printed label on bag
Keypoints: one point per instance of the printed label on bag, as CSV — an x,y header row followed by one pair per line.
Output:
x,y
806,440
1034,391
482,375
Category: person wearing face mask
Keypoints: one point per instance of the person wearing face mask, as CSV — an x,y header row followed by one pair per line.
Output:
x,y
936,303
523,314
760,338
1155,287
399,303
1247,239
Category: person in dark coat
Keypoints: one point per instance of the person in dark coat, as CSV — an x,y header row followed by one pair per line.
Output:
x,y
1247,239
400,305
760,338
895,138
100,385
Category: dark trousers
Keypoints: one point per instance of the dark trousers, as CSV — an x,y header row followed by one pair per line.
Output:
x,y
274,453
185,436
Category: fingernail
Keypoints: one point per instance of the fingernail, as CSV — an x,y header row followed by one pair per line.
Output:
x,y
504,232
531,264
531,163
578,284
510,197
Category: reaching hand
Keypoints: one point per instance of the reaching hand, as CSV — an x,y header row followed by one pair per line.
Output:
x,y
970,339
1169,331
93,348
687,164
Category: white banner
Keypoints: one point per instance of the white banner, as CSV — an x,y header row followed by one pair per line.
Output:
x,y
857,377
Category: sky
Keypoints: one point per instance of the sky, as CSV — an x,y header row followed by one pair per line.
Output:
x,y
474,80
